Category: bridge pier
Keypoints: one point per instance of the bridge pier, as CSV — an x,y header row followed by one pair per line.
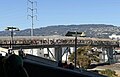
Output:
x,y
110,54
58,53
104,55
51,54
65,53
107,55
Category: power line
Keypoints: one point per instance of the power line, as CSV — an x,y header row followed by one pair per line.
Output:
x,y
32,9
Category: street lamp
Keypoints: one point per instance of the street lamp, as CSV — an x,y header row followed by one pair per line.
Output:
x,y
75,34
11,29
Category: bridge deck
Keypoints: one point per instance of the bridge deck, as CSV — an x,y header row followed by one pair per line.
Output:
x,y
43,41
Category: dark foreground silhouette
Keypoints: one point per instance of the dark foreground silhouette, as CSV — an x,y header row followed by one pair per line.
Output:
x,y
16,67
12,66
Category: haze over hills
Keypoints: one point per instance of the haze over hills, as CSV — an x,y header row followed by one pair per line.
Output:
x,y
91,30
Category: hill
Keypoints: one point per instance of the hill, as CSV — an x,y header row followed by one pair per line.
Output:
x,y
91,30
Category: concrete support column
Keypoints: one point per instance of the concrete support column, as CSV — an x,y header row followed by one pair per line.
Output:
x,y
58,53
104,55
110,54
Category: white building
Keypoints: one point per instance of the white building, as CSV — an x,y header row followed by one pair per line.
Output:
x,y
114,37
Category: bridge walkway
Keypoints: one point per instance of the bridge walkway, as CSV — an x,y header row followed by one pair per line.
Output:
x,y
45,41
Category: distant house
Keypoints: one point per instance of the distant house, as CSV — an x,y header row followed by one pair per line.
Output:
x,y
114,37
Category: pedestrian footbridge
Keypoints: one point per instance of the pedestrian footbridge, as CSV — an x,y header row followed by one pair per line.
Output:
x,y
52,41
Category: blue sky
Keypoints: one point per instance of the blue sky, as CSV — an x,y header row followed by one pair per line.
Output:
x,y
59,12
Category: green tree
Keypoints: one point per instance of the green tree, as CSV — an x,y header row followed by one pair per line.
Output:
x,y
85,56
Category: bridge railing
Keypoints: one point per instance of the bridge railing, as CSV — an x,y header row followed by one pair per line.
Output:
x,y
57,41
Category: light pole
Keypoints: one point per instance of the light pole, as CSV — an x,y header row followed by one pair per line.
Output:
x,y
75,34
75,48
11,29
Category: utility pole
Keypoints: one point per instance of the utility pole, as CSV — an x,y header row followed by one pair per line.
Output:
x,y
32,9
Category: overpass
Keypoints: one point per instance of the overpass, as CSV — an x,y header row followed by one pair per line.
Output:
x,y
57,42
51,41
33,64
